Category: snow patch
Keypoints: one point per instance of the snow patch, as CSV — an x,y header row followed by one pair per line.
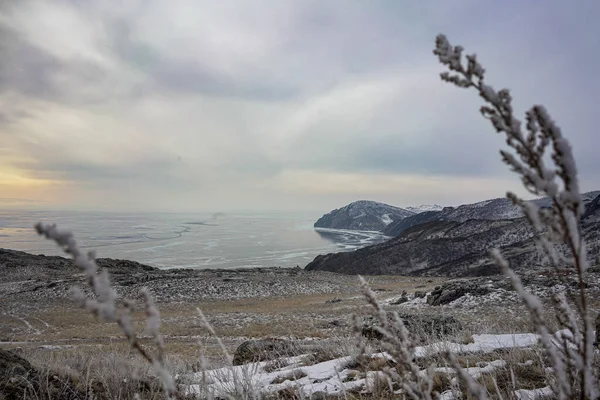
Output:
x,y
534,394
424,208
332,376
385,218
485,343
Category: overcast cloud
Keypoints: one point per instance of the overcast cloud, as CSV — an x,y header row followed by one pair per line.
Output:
x,y
277,105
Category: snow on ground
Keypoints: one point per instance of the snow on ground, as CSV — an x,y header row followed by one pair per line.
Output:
x,y
495,296
424,208
534,394
414,302
327,376
337,376
481,344
385,218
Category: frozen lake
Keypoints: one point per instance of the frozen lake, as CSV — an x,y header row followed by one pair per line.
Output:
x,y
187,240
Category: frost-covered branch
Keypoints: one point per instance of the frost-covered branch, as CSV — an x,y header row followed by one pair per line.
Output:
x,y
559,224
396,341
104,306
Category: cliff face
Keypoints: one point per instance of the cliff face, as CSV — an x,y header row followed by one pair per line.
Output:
x,y
453,248
363,216
439,247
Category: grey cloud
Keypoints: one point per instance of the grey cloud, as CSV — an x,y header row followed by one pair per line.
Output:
x,y
191,78
321,44
24,68
476,156
9,117
545,54
30,71
157,172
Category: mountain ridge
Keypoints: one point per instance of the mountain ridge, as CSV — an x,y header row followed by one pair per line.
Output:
x,y
492,209
392,220
364,215
439,247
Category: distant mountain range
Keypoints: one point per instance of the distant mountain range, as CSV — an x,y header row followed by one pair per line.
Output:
x,y
495,209
455,241
392,221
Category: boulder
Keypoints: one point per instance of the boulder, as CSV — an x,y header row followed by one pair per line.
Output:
x,y
262,350
449,292
20,380
402,299
399,300
420,327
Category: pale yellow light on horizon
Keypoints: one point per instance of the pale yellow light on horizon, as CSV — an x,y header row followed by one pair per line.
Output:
x,y
15,178
18,189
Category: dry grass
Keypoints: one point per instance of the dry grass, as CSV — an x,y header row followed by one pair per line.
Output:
x,y
99,373
100,359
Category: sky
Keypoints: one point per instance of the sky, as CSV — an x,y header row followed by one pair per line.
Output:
x,y
277,105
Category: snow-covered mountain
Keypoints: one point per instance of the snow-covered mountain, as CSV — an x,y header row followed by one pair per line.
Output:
x,y
494,209
374,216
363,215
445,247
424,208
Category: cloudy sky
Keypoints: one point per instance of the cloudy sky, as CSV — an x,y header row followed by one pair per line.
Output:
x,y
193,105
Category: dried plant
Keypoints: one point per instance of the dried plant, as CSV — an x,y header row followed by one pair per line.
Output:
x,y
570,351
104,305
557,225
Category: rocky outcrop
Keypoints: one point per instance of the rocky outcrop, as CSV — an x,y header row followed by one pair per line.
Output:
x,y
420,327
362,215
449,292
20,380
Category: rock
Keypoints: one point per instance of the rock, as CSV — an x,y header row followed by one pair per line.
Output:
x,y
594,270
263,349
402,299
20,380
421,327
336,323
399,300
449,292
14,365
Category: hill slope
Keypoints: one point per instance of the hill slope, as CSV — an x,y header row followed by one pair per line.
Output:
x,y
494,209
453,248
362,215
